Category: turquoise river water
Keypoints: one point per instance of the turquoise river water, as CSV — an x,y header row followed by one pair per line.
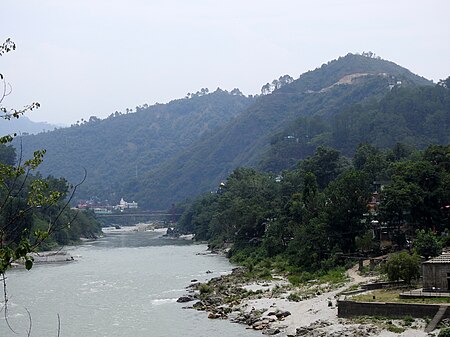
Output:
x,y
123,285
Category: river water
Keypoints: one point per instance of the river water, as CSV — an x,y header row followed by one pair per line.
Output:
x,y
125,285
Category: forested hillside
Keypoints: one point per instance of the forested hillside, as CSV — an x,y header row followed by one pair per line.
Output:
x,y
300,220
320,93
165,153
414,116
36,208
123,146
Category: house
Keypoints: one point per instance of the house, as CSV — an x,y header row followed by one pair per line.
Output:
x,y
126,205
436,273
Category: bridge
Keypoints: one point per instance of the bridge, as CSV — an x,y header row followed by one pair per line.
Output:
x,y
130,217
136,214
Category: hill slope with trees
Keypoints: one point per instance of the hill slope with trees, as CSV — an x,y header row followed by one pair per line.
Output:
x,y
128,145
413,116
165,153
321,207
320,93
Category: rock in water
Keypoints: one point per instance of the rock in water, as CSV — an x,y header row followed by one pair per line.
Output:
x,y
184,299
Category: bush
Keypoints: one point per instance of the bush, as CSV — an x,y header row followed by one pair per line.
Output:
x,y
264,273
294,297
298,279
427,244
402,266
444,332
334,276
408,320
205,289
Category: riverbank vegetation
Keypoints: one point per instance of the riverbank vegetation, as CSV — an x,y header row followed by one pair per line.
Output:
x,y
306,220
34,211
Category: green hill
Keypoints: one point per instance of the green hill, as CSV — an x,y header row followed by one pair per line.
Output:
x,y
414,116
168,152
322,92
128,145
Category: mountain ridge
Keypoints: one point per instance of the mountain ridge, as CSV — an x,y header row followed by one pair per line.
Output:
x,y
184,165
243,141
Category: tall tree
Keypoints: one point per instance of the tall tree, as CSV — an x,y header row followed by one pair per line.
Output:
x,y
346,203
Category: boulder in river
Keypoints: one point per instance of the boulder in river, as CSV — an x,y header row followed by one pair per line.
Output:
x,y
184,299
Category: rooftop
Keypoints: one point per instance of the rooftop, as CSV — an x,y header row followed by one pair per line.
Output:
x,y
443,258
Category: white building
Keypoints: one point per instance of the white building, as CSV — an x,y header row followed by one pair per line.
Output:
x,y
126,205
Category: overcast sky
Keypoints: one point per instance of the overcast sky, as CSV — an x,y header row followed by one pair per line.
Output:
x,y
82,58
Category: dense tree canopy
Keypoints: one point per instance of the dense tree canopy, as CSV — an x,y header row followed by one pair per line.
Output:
x,y
321,207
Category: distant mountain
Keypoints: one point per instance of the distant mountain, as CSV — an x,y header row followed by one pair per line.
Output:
x,y
245,140
128,145
24,125
168,152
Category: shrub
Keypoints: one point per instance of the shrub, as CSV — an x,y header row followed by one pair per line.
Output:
x,y
427,244
444,332
294,297
297,279
402,266
205,289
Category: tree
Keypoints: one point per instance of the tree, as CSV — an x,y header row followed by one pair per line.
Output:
x,y
445,83
426,244
13,206
309,246
326,164
369,159
403,266
24,197
419,192
346,205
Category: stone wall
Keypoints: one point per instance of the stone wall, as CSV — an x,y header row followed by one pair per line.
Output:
x,y
436,276
351,308
381,285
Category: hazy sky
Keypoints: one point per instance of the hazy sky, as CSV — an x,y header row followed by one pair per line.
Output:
x,y
92,57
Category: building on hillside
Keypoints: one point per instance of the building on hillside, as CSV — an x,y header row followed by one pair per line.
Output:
x,y
436,273
126,205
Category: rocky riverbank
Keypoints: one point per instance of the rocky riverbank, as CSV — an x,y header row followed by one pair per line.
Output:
x,y
279,309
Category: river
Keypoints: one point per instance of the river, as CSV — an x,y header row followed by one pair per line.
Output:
x,y
125,285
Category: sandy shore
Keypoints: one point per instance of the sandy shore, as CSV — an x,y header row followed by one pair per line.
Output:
x,y
315,310
315,315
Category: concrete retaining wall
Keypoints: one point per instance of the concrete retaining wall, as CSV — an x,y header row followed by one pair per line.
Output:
x,y
381,285
351,308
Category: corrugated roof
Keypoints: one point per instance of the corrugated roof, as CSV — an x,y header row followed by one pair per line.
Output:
x,y
444,258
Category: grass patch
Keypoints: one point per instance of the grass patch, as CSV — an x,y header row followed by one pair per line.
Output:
x,y
333,276
353,287
394,328
392,295
205,289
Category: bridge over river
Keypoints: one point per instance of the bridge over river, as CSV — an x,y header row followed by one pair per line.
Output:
x,y
135,217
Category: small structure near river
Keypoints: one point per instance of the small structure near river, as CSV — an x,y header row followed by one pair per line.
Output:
x,y
436,274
